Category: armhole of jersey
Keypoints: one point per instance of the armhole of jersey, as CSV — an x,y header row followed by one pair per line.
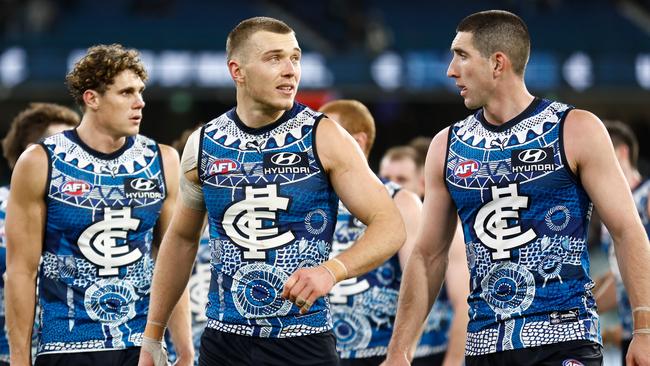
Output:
x,y
397,190
313,145
199,154
46,195
563,157
161,162
444,171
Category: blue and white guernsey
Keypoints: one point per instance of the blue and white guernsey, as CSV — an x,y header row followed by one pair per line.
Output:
x,y
525,218
640,195
435,335
364,307
4,343
271,211
95,277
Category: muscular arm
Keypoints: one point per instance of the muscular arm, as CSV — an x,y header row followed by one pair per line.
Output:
x,y
427,264
180,324
25,225
458,290
367,199
364,195
410,208
591,154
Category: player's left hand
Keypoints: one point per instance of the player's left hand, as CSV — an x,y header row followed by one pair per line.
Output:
x,y
306,285
639,352
152,353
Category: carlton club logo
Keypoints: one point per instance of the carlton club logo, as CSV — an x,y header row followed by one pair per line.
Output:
x,y
223,166
76,188
467,168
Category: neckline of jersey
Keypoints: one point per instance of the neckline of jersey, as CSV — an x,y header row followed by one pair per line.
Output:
x,y
502,127
287,115
74,136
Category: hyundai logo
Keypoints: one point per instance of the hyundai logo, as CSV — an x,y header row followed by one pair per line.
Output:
x,y
142,184
532,155
285,159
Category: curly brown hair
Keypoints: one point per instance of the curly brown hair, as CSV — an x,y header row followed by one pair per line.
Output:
x,y
30,125
98,68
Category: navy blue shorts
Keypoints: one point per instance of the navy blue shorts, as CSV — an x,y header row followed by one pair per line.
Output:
x,y
219,348
126,357
432,360
574,353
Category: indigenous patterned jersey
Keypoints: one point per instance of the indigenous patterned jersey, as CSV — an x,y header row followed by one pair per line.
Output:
x,y
364,307
525,217
435,335
95,277
640,195
271,211
4,343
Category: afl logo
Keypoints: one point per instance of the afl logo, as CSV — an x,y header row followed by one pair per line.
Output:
x,y
223,166
76,188
532,156
467,168
572,362
285,159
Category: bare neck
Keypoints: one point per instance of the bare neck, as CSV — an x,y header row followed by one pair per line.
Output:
x,y
256,115
98,138
507,102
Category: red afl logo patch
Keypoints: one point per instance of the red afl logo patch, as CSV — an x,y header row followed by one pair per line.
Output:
x,y
223,166
76,188
466,168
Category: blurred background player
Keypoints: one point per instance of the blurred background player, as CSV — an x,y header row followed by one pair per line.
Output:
x,y
612,293
93,203
37,121
363,307
445,329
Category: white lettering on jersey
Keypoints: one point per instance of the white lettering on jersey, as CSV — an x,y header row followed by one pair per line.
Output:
x,y
252,223
497,222
104,242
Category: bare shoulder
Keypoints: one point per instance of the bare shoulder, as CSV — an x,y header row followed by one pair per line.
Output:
x,y
406,198
31,171
336,148
437,153
580,123
168,153
584,137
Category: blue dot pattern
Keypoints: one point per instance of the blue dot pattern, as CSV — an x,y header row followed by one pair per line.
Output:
x,y
95,278
265,221
525,232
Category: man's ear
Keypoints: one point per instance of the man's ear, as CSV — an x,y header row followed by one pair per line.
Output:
x,y
92,99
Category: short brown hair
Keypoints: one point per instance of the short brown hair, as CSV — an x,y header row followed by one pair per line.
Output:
x,y
499,31
245,29
99,67
622,134
30,125
421,146
403,152
355,118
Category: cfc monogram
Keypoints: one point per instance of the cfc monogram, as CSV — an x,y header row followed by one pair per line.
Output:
x,y
494,222
104,242
244,221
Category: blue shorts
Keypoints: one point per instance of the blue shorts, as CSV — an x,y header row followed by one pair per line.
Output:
x,y
123,357
573,353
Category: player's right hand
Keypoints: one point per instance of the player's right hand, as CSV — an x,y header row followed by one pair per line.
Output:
x,y
152,353
396,360
306,285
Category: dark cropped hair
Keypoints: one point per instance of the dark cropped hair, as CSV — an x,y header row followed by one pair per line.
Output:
x,y
30,125
99,67
499,31
621,134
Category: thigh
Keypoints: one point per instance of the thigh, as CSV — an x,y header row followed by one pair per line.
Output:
x,y
312,350
431,360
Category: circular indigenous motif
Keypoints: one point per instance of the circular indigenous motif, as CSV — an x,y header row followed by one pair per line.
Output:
x,y
550,266
308,263
557,218
352,329
385,274
257,290
316,221
508,288
111,301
